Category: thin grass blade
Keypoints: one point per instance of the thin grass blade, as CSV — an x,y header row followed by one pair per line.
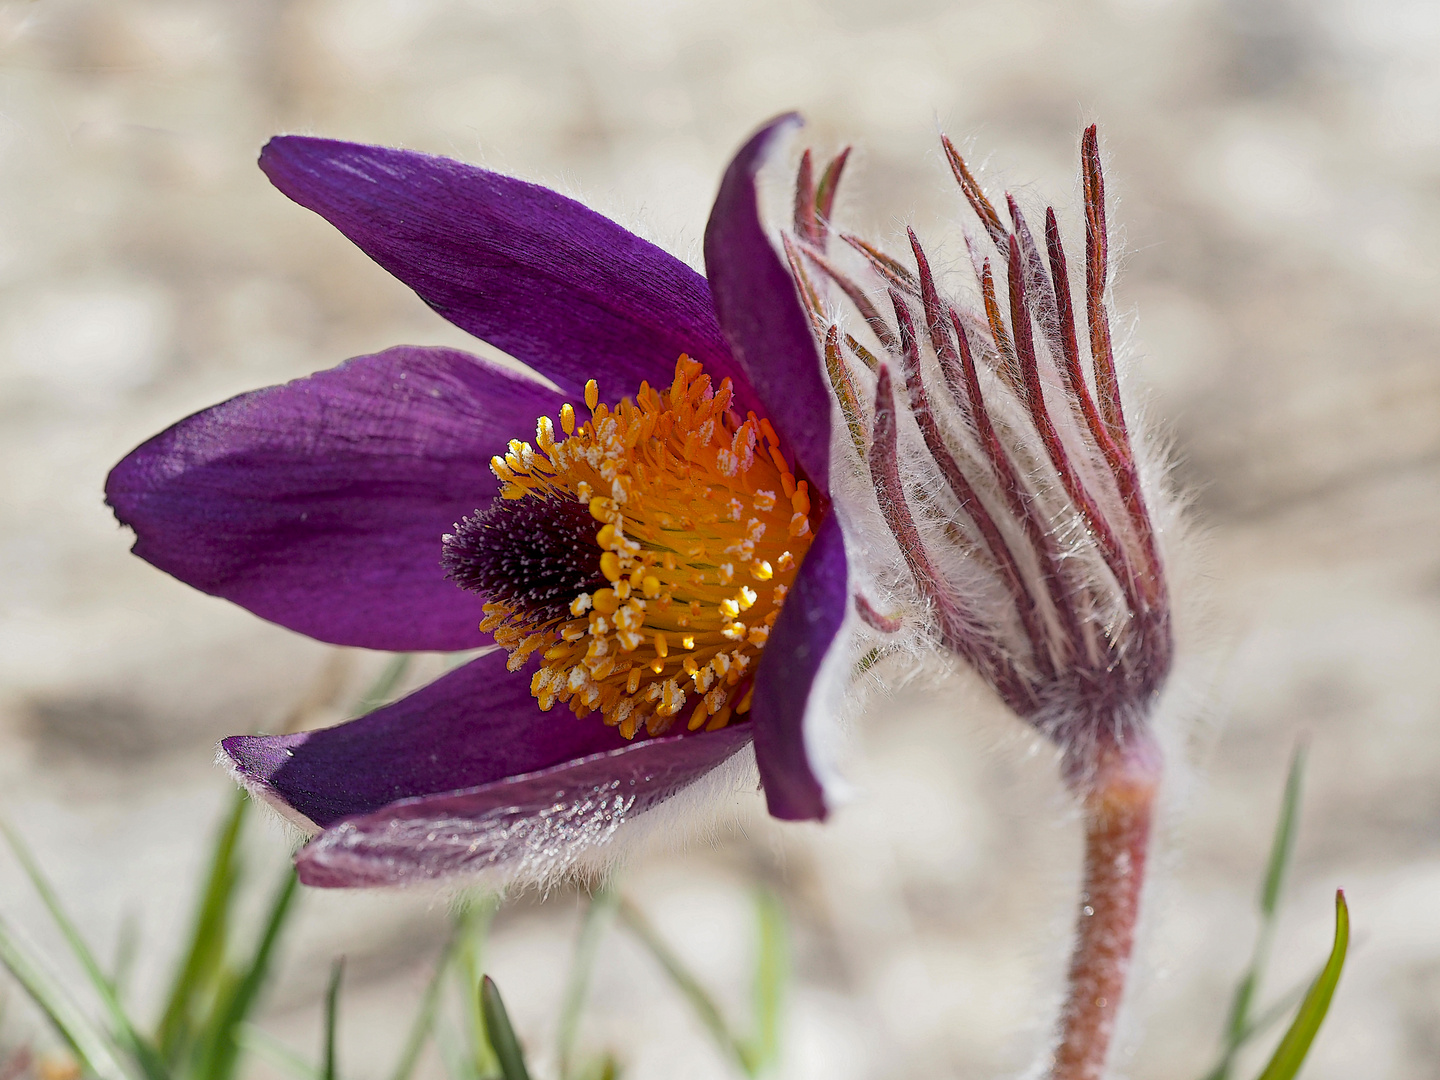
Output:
x,y
256,1040
1295,1044
1238,1025
91,1046
384,685
472,920
332,1006
582,967
502,1035
126,1035
127,948
197,977
221,1046
772,975
689,986
424,1022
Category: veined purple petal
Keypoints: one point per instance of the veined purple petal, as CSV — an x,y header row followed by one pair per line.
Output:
x,y
761,315
320,504
475,726
803,634
534,824
554,284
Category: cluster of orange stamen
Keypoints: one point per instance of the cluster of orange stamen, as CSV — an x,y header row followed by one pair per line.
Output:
x,y
700,524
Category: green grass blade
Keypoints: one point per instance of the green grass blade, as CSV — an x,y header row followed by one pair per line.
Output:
x,y
256,1040
384,685
502,1035
127,948
125,1033
91,1046
1295,1044
1283,846
332,1007
196,979
772,974
1238,1026
458,1064
582,967
220,1045
704,1006
472,921
424,1022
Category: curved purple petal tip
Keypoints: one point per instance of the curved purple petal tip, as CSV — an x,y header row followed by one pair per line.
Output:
x,y
786,678
474,726
761,314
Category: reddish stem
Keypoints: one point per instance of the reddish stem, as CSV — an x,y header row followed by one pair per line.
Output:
x,y
1119,782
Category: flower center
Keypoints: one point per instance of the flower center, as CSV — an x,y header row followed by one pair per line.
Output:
x,y
646,554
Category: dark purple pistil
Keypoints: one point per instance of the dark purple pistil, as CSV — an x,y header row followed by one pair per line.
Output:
x,y
534,555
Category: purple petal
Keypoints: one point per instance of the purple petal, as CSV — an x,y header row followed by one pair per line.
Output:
x,y
551,282
535,824
476,725
799,642
761,315
320,504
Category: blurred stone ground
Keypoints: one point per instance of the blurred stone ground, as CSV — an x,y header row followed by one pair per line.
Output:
x,y
1275,168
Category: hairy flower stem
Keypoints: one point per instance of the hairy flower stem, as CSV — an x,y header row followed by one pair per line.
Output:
x,y
1118,782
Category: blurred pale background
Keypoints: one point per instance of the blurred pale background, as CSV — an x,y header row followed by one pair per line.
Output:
x,y
1275,172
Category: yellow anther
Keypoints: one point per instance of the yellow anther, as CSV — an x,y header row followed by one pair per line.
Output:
x,y
686,502
801,499
698,716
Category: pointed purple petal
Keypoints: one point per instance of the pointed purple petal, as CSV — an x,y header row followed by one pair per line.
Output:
x,y
474,726
320,504
551,282
761,314
803,635
534,825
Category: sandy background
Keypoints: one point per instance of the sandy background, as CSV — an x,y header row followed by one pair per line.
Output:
x,y
1275,168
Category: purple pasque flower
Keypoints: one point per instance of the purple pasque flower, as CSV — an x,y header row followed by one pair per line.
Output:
x,y
1021,503
667,568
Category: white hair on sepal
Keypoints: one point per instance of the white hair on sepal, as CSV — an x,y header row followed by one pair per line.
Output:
x,y
295,825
